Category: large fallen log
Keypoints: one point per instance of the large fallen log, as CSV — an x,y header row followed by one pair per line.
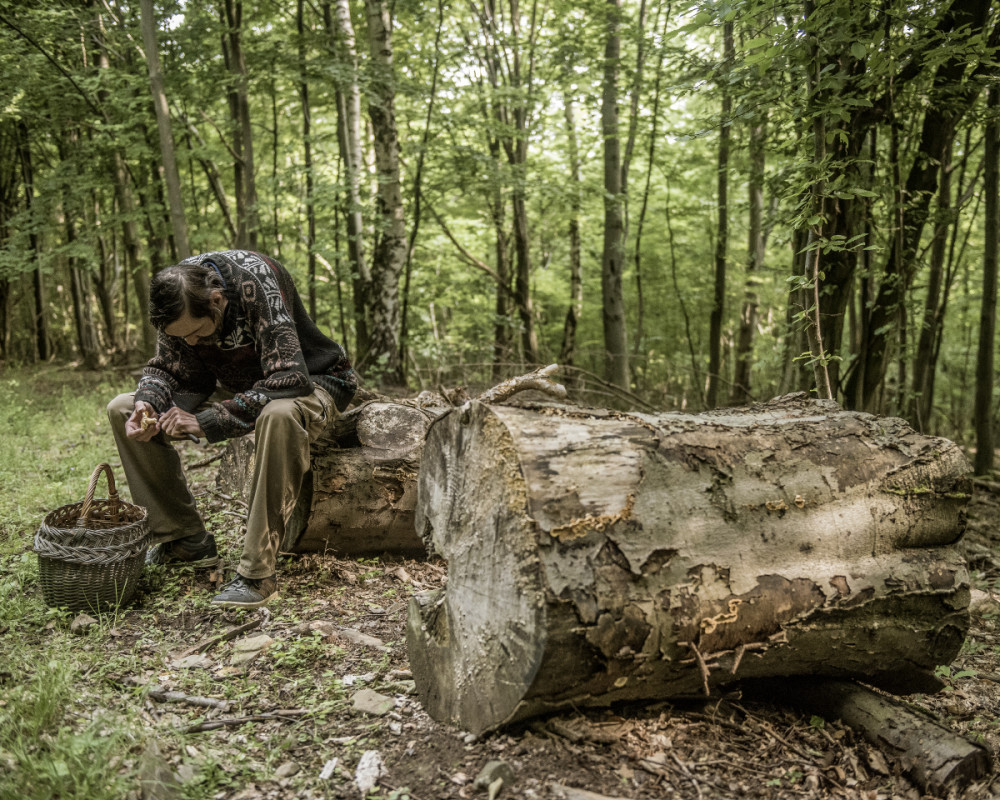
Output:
x,y
360,495
601,556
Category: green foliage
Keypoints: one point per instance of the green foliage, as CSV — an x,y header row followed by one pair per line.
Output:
x,y
841,94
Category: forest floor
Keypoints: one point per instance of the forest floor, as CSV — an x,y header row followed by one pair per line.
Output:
x,y
296,676
172,698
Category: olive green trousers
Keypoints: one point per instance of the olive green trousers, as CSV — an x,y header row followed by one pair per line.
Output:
x,y
284,431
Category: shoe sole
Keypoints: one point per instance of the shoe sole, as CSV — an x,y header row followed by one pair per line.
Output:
x,y
244,604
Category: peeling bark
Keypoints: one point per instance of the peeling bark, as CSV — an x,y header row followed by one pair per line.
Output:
x,y
597,556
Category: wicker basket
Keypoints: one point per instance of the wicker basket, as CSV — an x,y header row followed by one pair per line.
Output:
x,y
90,554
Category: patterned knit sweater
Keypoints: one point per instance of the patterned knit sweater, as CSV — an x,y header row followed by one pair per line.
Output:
x,y
266,348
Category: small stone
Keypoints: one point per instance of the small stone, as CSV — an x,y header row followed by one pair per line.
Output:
x,y
323,627
286,770
369,771
368,701
350,680
242,659
156,780
253,643
357,637
196,661
186,773
493,771
982,603
81,624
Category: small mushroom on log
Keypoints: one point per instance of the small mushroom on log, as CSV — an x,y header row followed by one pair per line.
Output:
x,y
598,556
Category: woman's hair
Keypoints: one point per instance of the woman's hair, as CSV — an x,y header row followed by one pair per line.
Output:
x,y
180,288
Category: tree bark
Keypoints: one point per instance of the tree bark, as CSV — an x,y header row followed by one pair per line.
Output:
x,y
922,398
247,213
212,174
349,136
127,211
742,386
985,377
310,202
722,234
418,175
567,351
599,556
640,300
361,494
178,222
616,367
389,254
40,322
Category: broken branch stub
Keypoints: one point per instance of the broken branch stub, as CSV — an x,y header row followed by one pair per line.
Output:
x,y
596,556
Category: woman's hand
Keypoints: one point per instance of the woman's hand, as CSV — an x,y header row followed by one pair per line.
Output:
x,y
180,424
142,425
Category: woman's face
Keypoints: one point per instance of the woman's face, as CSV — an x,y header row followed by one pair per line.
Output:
x,y
193,330
197,330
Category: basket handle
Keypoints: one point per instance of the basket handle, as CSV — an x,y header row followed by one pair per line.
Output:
x,y
89,499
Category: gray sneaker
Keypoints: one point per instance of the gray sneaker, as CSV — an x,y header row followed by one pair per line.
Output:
x,y
191,551
246,592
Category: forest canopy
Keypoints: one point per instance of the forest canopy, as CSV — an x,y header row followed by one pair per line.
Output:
x,y
690,204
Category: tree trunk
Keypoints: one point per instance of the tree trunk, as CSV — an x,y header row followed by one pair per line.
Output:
x,y
922,399
212,174
348,98
310,201
361,494
616,367
518,114
640,300
389,254
418,175
83,317
567,351
983,414
178,222
40,322
742,388
792,538
128,214
247,213
722,236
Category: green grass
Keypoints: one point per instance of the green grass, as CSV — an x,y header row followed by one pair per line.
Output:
x,y
75,721
55,431
54,740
